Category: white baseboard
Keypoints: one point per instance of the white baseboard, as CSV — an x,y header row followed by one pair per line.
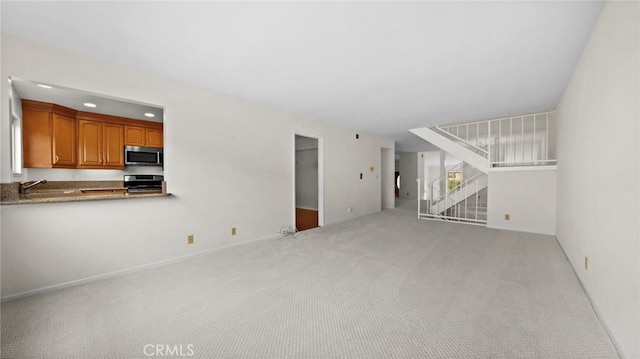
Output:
x,y
526,230
593,306
125,271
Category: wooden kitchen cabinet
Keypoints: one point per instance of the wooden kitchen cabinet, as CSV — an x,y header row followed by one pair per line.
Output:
x,y
143,136
100,145
154,137
48,135
134,136
64,140
113,145
58,137
89,144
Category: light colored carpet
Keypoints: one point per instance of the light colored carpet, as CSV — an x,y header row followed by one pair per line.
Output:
x,y
383,286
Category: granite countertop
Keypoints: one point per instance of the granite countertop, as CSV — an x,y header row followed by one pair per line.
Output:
x,y
72,191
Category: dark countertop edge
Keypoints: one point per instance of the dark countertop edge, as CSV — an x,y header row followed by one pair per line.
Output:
x,y
82,198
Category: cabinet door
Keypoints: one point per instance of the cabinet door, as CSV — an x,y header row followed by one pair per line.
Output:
x,y
36,139
154,137
134,136
64,141
89,144
113,145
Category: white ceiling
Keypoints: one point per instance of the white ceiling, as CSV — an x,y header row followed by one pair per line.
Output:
x,y
376,67
75,99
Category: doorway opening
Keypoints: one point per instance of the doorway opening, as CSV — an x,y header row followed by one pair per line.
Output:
x,y
308,179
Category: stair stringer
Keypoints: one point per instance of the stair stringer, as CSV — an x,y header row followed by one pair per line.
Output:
x,y
453,198
452,147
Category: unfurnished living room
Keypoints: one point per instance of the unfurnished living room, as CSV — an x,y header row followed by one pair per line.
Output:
x,y
327,179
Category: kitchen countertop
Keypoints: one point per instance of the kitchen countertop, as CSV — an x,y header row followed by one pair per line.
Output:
x,y
69,191
82,197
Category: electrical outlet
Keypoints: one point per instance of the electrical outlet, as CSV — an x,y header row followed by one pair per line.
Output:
x,y
371,169
586,263
190,239
233,231
507,216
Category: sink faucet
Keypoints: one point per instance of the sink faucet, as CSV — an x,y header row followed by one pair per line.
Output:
x,y
24,186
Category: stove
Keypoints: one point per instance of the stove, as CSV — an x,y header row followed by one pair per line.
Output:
x,y
143,183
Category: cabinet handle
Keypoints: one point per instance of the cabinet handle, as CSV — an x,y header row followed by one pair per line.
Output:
x,y
56,161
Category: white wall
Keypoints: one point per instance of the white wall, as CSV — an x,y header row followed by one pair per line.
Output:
x,y
15,104
598,172
223,156
434,173
421,193
408,175
528,195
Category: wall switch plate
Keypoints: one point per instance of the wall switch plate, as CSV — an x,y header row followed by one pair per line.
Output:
x,y
190,239
507,217
349,209
233,231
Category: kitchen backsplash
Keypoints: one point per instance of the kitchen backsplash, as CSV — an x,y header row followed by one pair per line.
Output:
x,y
59,174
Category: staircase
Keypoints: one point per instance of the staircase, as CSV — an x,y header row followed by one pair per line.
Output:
x,y
449,199
527,140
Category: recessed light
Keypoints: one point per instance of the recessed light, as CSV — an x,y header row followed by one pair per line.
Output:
x,y
89,104
45,86
149,114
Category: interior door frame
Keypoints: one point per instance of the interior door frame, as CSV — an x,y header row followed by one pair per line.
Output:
x,y
320,175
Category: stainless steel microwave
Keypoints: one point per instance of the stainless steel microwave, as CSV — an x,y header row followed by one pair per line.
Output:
x,y
143,156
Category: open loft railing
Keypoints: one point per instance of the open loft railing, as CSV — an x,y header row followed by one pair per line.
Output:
x,y
511,141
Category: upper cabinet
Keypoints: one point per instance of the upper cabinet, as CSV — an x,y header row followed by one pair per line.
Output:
x,y
48,135
100,145
134,136
64,140
113,145
155,137
59,137
148,136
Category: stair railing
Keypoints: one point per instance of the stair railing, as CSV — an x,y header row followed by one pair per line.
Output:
x,y
435,186
452,193
455,203
477,147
